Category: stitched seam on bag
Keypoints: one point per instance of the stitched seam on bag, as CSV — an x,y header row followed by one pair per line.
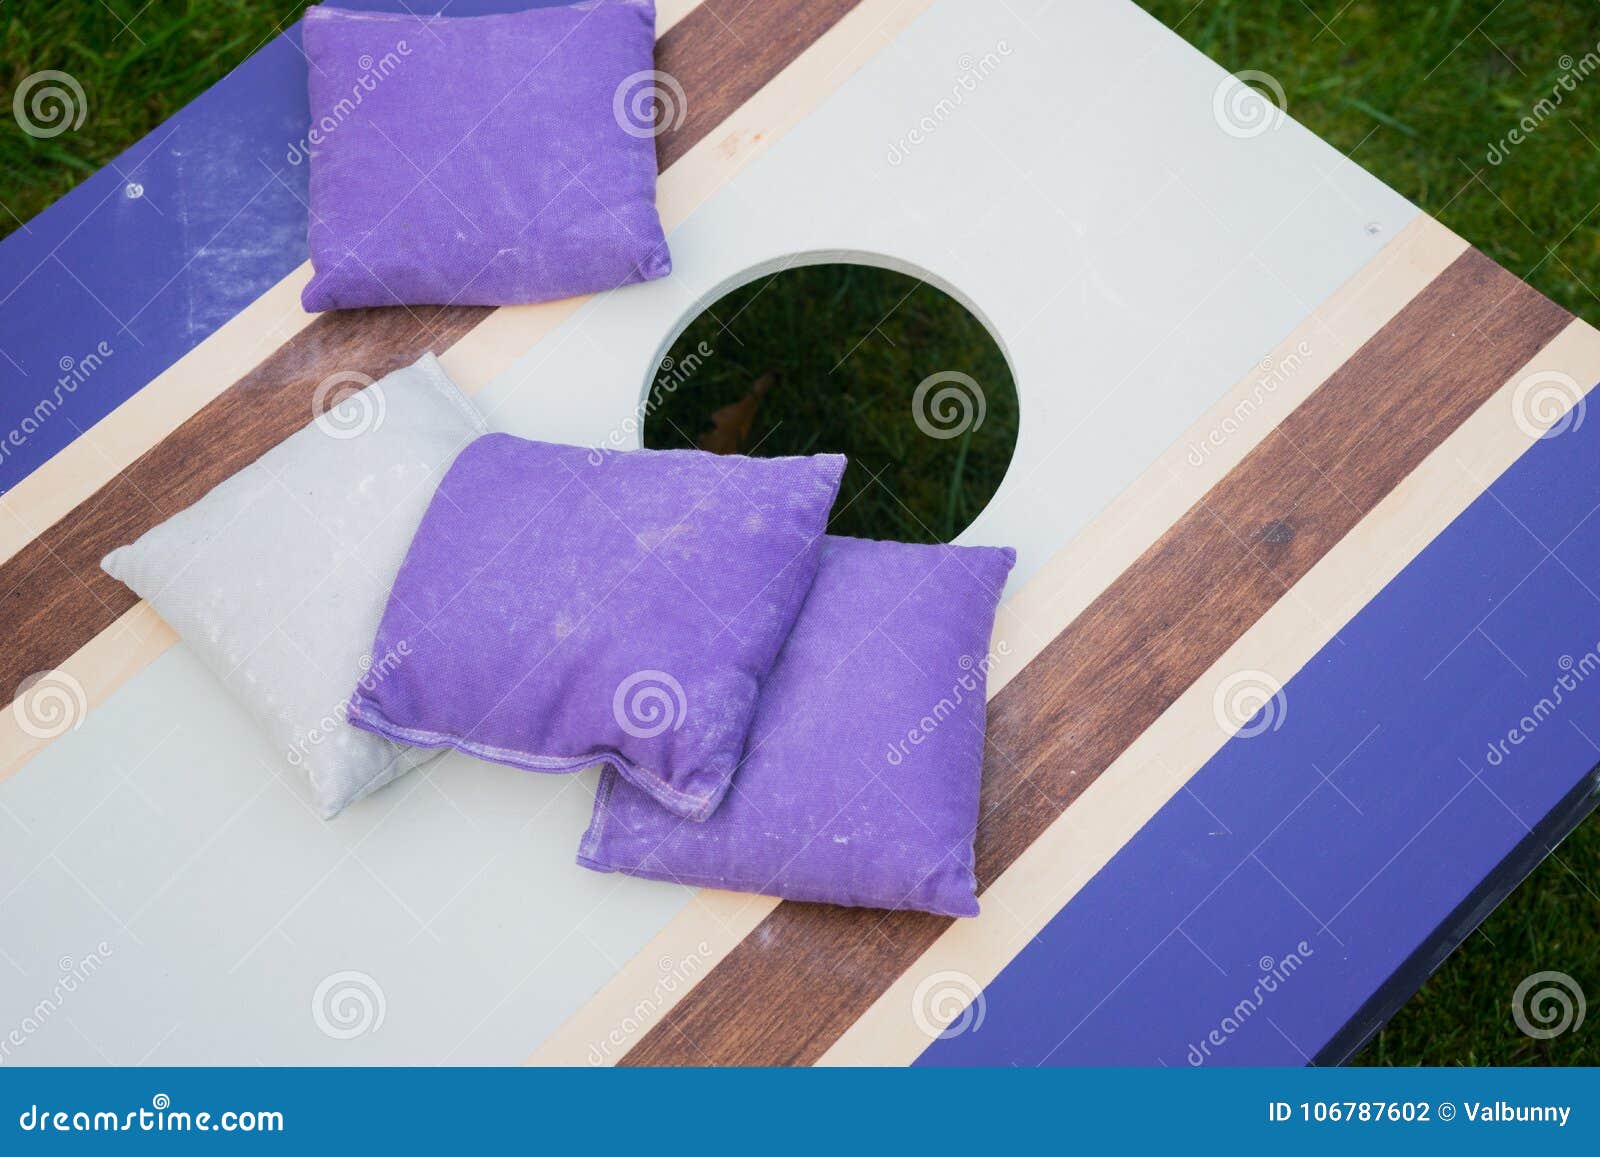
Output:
x,y
657,786
590,846
515,757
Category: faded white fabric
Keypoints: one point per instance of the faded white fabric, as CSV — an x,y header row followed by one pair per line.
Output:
x,y
278,577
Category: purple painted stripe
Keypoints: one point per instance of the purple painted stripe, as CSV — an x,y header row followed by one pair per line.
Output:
x,y
110,286
1269,901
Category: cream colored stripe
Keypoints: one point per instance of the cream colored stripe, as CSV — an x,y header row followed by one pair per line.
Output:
x,y
669,12
1079,572
1178,744
114,443
103,664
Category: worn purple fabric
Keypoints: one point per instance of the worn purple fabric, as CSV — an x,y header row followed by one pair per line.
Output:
x,y
481,160
561,607
860,781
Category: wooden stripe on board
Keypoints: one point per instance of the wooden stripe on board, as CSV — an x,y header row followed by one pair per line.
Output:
x,y
794,986
54,598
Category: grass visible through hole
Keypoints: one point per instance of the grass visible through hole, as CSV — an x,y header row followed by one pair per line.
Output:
x,y
848,346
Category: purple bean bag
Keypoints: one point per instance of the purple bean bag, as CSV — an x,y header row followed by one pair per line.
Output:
x,y
480,160
860,782
562,607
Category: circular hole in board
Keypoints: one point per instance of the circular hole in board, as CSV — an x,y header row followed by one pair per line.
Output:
x,y
856,359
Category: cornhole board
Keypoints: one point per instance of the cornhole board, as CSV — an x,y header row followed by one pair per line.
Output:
x,y
1286,443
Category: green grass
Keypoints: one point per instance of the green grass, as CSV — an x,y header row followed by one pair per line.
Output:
x,y
1416,92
